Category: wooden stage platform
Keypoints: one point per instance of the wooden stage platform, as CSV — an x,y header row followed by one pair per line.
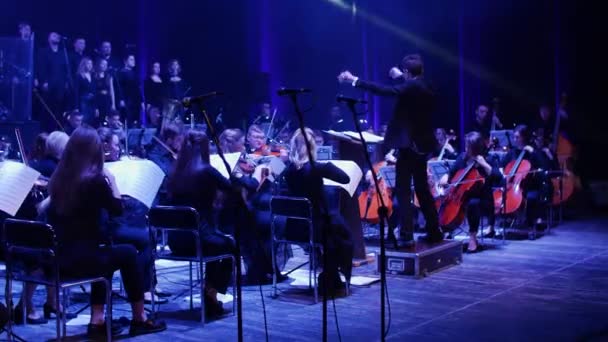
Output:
x,y
554,288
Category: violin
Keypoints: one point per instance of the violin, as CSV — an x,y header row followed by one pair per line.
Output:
x,y
451,211
507,200
166,147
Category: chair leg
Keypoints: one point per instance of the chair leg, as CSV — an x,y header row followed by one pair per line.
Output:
x,y
23,303
201,270
274,264
191,285
108,310
58,316
63,312
234,294
8,293
313,264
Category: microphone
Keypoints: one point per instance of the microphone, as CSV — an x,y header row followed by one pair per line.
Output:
x,y
349,100
188,101
292,91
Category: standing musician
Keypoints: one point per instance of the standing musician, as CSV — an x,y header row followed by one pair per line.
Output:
x,y
410,132
480,200
484,121
536,188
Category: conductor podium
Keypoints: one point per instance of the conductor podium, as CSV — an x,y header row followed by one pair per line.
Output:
x,y
423,259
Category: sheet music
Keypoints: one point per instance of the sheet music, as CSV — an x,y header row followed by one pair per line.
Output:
x,y
352,170
16,181
140,179
370,138
218,164
337,134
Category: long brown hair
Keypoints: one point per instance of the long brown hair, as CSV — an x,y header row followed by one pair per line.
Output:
x,y
82,160
192,157
475,144
298,153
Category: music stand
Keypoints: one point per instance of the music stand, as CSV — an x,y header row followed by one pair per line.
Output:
x,y
389,175
439,168
324,152
503,137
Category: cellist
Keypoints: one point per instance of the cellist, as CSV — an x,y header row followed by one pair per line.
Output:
x,y
479,200
536,187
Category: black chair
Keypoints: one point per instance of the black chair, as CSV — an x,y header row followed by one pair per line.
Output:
x,y
297,213
186,219
34,244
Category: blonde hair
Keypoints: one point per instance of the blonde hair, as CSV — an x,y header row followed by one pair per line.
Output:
x,y
55,143
298,154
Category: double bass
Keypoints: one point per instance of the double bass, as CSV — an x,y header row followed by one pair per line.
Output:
x,y
451,211
507,200
563,150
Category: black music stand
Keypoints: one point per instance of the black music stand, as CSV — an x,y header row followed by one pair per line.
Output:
x,y
439,168
504,138
389,175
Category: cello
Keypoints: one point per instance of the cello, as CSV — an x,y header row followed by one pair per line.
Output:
x,y
451,211
369,203
436,190
515,172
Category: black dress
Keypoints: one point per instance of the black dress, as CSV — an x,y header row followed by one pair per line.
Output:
x,y
154,92
86,91
103,96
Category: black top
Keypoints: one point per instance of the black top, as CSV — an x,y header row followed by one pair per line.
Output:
x,y
46,166
538,161
129,87
52,69
86,89
75,59
198,190
154,92
304,183
411,125
82,226
491,179
175,90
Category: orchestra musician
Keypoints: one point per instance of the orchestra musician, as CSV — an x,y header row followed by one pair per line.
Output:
x,y
444,145
483,121
302,181
536,188
80,190
131,227
194,182
54,146
74,119
164,156
410,132
257,144
480,200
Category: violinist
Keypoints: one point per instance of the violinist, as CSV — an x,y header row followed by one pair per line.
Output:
x,y
55,143
131,227
194,182
257,144
164,156
536,188
303,182
479,201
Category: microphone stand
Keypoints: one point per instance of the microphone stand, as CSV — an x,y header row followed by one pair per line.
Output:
x,y
323,206
383,214
237,230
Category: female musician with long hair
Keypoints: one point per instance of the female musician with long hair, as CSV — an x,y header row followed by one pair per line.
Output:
x,y
86,92
480,201
194,182
154,87
80,191
303,181
105,97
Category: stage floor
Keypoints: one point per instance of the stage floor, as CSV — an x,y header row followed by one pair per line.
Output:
x,y
552,289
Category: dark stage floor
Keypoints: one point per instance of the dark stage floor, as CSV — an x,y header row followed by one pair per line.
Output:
x,y
552,289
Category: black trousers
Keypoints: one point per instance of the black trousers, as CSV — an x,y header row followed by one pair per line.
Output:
x,y
139,238
213,243
412,164
481,204
85,260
